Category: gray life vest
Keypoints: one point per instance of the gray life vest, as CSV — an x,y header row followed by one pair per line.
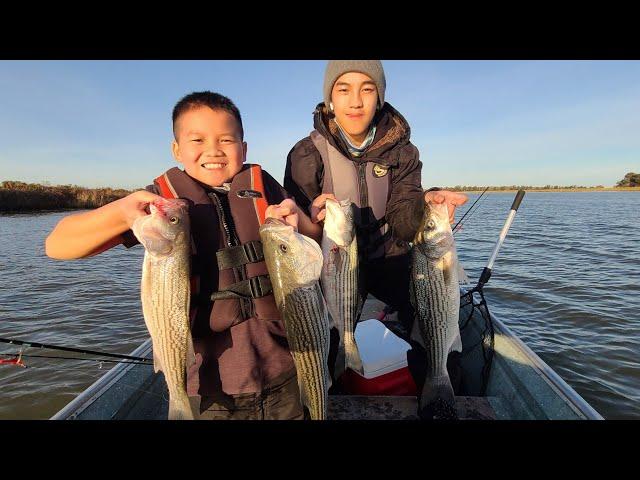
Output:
x,y
366,184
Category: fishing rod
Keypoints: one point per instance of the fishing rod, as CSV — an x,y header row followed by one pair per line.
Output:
x,y
25,343
469,211
147,361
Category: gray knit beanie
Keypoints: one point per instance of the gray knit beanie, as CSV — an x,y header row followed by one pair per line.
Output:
x,y
336,68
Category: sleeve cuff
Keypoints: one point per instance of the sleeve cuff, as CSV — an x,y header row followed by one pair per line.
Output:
x,y
129,239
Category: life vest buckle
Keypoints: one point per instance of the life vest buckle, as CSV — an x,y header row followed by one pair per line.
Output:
x,y
255,287
260,286
250,252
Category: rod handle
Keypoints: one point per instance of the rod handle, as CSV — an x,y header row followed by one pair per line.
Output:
x,y
486,275
517,200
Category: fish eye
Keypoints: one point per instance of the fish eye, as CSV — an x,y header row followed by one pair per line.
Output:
x,y
283,247
431,224
174,220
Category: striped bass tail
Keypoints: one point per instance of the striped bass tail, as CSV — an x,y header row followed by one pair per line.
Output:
x,y
437,401
180,408
314,403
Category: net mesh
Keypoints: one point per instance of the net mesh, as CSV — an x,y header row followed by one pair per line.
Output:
x,y
473,304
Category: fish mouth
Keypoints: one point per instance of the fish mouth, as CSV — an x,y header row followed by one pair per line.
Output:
x,y
337,222
167,206
312,246
274,221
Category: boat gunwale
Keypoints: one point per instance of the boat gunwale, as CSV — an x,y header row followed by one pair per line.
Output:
x,y
101,385
561,387
571,397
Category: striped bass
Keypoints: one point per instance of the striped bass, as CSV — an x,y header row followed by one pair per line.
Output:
x,y
165,291
435,296
339,280
294,263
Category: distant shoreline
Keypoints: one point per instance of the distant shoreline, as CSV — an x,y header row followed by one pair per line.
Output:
x,y
18,197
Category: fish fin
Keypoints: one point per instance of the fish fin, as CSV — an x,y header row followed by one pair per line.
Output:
x,y
462,275
304,399
191,361
352,354
191,354
180,409
332,322
340,365
437,401
157,364
456,346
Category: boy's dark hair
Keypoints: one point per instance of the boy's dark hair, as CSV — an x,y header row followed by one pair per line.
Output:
x,y
214,101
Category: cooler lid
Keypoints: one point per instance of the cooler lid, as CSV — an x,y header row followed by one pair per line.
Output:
x,y
381,350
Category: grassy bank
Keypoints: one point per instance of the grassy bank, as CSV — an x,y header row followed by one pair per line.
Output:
x,y
20,196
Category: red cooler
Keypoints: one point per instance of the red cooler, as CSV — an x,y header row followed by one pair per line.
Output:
x,y
384,361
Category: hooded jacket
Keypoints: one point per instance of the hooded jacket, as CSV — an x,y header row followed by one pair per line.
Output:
x,y
391,149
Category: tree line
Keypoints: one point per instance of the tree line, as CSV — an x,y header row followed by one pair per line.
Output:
x,y
21,196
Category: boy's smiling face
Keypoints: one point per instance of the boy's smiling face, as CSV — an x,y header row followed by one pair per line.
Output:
x,y
354,97
209,145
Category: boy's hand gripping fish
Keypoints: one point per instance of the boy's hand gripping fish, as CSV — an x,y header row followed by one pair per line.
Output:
x,y
435,296
165,291
294,263
340,280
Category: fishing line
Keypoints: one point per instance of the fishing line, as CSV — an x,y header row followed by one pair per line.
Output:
x,y
471,215
469,211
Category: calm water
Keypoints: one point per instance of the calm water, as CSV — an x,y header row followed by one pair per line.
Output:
x,y
567,281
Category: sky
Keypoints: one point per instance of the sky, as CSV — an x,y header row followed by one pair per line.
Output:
x,y
108,123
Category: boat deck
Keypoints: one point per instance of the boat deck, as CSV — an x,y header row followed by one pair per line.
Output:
x,y
521,387
348,407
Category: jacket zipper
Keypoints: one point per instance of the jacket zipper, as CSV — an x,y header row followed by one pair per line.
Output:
x,y
241,275
223,219
364,193
364,203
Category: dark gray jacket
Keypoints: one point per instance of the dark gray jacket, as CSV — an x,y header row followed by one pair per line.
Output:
x,y
391,148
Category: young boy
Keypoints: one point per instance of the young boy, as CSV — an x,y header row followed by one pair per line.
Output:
x,y
360,149
243,369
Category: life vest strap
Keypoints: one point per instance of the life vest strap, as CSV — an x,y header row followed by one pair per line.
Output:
x,y
376,243
254,287
371,227
237,256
